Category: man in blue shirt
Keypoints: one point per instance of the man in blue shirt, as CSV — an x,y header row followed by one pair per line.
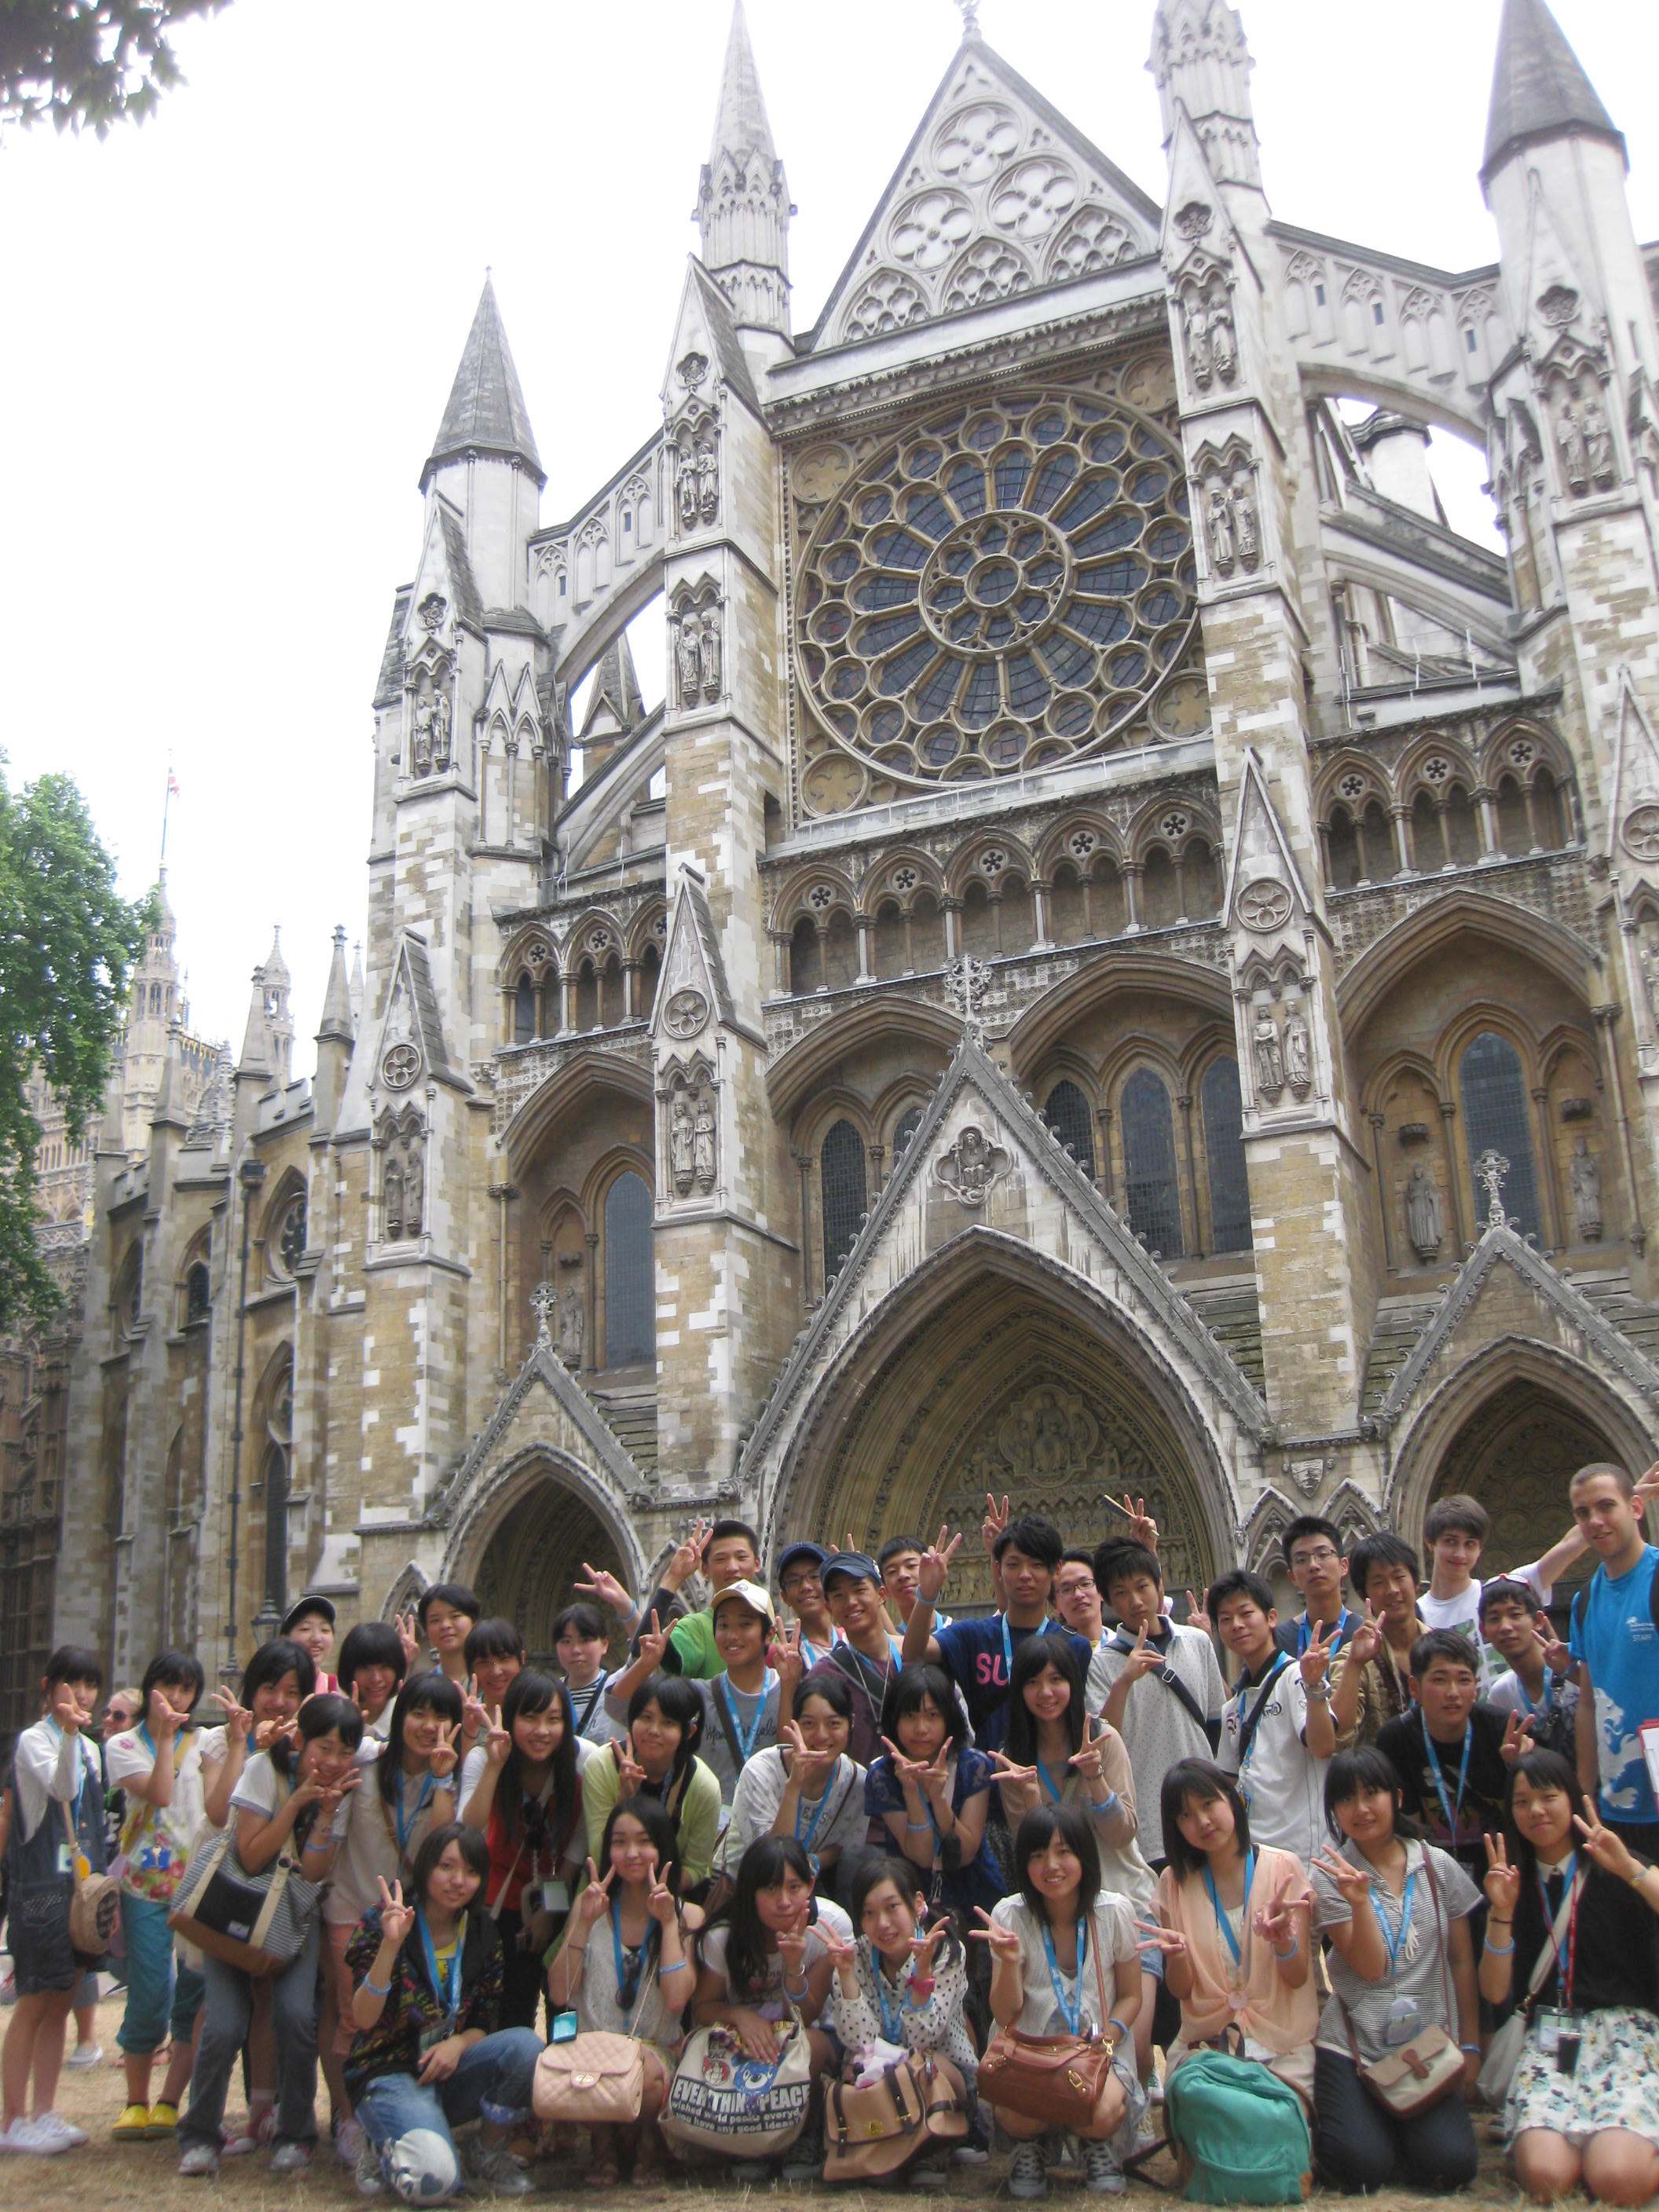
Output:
x,y
978,1655
1615,1641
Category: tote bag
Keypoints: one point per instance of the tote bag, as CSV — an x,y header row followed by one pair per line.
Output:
x,y
721,2099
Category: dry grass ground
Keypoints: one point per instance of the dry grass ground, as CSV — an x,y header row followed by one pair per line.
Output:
x,y
144,2176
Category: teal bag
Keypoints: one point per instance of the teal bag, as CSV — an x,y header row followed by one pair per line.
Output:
x,y
1240,2133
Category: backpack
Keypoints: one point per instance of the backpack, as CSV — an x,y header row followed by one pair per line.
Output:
x,y
1240,2134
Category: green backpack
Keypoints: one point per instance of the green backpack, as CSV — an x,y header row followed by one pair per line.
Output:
x,y
1240,2133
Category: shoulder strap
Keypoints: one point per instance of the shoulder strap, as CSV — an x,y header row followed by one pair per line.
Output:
x,y
1248,1728
1547,1951
1100,1971
1172,1682
728,1727
1452,2017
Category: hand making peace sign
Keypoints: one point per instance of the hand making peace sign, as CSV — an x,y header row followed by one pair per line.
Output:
x,y
397,1918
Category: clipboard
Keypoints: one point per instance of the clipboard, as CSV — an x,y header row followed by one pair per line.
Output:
x,y
1648,1733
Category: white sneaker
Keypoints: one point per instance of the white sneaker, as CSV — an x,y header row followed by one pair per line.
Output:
x,y
200,2162
72,2136
83,2055
349,2143
34,2139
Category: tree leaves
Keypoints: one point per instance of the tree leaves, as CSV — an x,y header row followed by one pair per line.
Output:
x,y
89,62
68,945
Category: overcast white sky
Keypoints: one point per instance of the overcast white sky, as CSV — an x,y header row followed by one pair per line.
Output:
x,y
229,338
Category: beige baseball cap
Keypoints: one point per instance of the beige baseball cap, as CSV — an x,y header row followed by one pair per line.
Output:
x,y
750,1594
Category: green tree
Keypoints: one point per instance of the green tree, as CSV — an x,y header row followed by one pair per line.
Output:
x,y
68,944
94,62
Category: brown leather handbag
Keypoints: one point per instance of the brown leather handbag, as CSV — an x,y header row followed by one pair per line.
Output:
x,y
872,2132
1066,2080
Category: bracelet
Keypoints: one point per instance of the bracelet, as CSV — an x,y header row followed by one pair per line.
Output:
x,y
1470,2049
916,1825
1285,1957
1499,1950
1114,2021
1109,1807
1642,1870
1319,1692
674,1969
375,1988
796,1994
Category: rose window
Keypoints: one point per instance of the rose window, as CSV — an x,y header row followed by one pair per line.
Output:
x,y
1010,585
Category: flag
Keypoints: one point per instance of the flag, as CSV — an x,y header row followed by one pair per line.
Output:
x,y
172,784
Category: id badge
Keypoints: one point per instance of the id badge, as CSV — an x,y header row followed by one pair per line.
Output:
x,y
555,1897
1550,2022
1559,2037
65,1863
1403,2023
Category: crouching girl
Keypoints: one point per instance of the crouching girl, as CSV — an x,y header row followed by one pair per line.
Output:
x,y
428,2056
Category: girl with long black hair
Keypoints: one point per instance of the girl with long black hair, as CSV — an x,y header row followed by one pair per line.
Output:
x,y
656,1757
522,1787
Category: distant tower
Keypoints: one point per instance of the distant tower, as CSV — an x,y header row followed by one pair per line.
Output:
x,y
1199,61
742,203
279,1020
154,999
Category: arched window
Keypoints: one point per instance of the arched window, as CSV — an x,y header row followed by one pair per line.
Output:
x,y
1494,1096
198,1293
841,1165
630,1335
1150,1165
1067,1114
1224,1150
909,1122
524,1012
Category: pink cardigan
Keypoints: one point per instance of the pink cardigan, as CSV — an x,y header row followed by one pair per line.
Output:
x,y
1278,2017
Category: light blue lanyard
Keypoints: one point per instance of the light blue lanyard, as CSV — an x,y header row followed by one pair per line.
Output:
x,y
446,1988
1337,1634
405,1825
892,2015
1453,1812
806,1841
1549,1692
1008,1647
745,1736
1073,2013
1381,1897
1049,1782
1221,1919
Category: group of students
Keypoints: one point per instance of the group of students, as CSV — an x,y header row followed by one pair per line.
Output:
x,y
1416,1818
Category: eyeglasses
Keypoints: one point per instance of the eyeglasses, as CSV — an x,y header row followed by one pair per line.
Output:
x,y
1319,1558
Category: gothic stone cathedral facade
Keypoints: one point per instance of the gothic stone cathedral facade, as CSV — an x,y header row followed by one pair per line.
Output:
x,y
1129,956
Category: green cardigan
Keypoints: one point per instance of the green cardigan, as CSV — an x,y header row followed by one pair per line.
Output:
x,y
698,1816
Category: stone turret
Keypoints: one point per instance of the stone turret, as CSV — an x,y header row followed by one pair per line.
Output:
x,y
483,460
742,203
335,1035
1200,62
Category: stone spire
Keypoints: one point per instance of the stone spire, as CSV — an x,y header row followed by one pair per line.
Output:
x,y
256,1059
1200,61
486,412
279,1020
743,203
1539,88
168,1111
337,1022
356,984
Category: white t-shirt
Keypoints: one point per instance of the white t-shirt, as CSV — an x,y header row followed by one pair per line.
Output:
x,y
473,1767
842,1822
769,2002
1043,2013
155,1839
1463,1612
1157,1730
1282,1783
262,1789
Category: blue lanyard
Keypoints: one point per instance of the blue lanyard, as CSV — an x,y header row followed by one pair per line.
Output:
x,y
1008,1647
746,1736
446,1988
1221,1919
1073,2013
1337,1634
892,2015
1453,1812
1268,1681
405,1827
1048,1782
1382,1897
616,1953
1549,1692
811,1653
806,1841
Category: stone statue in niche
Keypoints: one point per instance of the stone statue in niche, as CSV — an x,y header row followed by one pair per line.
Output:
x,y
572,1326
1585,1178
972,1166
1268,1053
420,744
703,1144
709,481
394,1202
1574,451
708,655
685,489
1218,512
440,733
1298,1053
1246,529
1224,344
414,1160
1422,1214
687,658
1650,980
681,1144
1198,344
1598,443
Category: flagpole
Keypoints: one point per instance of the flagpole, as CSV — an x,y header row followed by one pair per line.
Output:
x,y
167,800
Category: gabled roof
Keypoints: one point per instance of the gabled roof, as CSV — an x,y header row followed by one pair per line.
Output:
x,y
486,412
692,958
389,683
705,316
616,688
1143,1288
1501,1246
1019,199
1539,88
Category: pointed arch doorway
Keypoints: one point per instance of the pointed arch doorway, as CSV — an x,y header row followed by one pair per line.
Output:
x,y
529,1564
1004,1378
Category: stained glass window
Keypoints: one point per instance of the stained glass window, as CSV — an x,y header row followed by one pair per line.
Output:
x,y
1067,1114
1223,1149
524,1012
1150,1164
198,1292
841,1167
630,1335
1494,1094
